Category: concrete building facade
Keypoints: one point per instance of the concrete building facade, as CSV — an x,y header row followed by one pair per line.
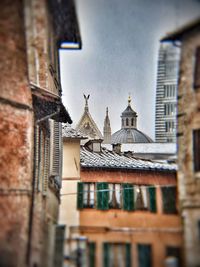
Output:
x,y
189,138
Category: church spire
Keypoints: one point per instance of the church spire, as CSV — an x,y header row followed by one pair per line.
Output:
x,y
107,129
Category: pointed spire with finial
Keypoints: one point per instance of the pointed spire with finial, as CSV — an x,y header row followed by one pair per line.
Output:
x,y
86,102
107,112
107,129
129,99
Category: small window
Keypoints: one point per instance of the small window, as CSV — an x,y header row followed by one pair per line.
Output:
x,y
126,121
88,195
114,196
196,150
92,253
170,109
169,91
85,195
141,198
132,122
116,254
169,126
144,255
169,200
175,254
197,69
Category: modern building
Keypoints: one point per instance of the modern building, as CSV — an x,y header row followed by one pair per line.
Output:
x,y
166,93
87,125
31,113
189,138
129,132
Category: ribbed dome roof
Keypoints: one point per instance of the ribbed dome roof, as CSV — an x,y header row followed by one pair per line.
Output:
x,y
128,112
132,135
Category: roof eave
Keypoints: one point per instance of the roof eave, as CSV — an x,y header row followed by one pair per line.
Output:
x,y
179,33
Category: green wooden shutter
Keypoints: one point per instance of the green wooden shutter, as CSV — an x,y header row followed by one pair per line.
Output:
x,y
102,196
106,249
128,255
92,249
80,195
169,200
128,197
144,255
152,199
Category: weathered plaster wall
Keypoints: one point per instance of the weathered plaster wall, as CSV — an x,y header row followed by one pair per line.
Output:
x,y
16,134
188,120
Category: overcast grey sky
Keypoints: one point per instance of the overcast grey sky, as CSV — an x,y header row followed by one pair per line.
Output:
x,y
119,56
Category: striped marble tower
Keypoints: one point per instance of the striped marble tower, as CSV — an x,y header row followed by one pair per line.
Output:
x,y
166,93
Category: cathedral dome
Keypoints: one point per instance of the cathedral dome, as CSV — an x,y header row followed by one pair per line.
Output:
x,y
129,132
132,135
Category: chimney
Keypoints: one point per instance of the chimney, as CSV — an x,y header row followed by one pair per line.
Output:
x,y
116,148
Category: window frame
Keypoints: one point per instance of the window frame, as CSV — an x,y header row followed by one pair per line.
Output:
x,y
196,149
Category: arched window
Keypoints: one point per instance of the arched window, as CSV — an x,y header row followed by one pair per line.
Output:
x,y
122,122
126,121
132,122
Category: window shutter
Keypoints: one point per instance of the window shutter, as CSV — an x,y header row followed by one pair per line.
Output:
x,y
196,150
59,246
37,155
102,196
46,167
128,255
152,199
80,195
144,255
169,200
41,160
128,197
106,252
92,249
56,149
197,69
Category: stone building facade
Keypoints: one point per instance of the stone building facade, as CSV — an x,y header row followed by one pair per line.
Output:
x,y
189,138
31,113
87,125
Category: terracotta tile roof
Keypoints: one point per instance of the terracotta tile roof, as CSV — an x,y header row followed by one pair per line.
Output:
x,y
111,160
